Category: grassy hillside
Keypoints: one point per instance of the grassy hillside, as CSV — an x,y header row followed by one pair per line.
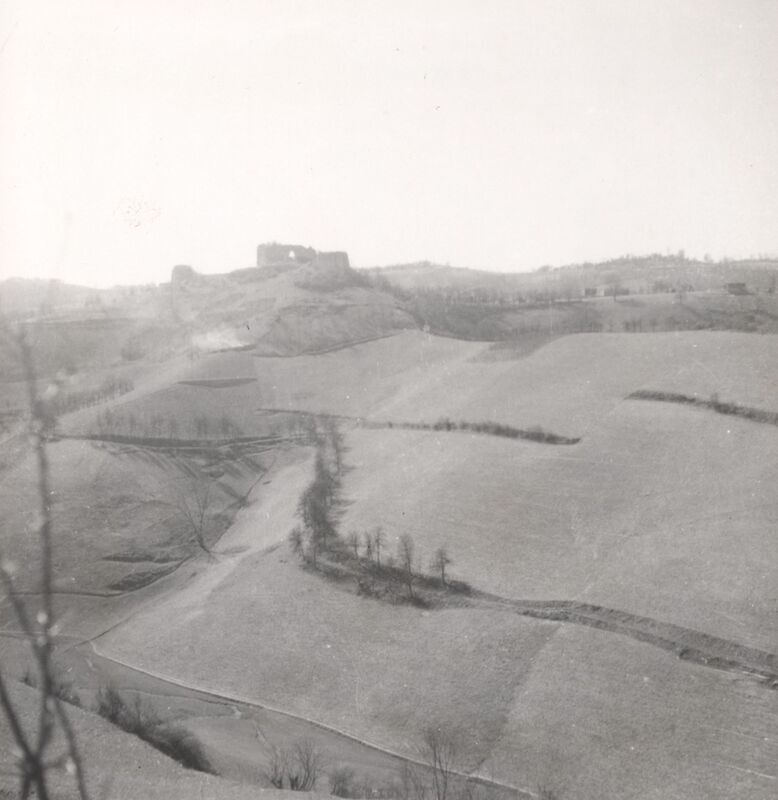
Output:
x,y
285,312
287,639
121,766
636,272
566,385
661,510
122,521
606,717
623,519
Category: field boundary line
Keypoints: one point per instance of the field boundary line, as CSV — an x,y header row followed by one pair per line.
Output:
x,y
252,703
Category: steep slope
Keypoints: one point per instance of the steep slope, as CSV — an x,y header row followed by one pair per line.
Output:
x,y
118,765
286,311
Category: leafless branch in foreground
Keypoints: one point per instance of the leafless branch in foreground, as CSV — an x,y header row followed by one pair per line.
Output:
x,y
34,761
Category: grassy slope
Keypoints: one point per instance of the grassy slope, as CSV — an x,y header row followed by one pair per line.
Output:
x,y
293,641
565,385
570,384
627,519
115,520
357,381
351,381
606,717
286,312
270,625
104,503
122,767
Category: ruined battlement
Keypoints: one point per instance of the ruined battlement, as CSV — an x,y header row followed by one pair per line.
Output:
x,y
273,254
183,273
337,258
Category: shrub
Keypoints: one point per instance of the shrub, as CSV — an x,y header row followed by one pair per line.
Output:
x,y
143,722
342,782
59,688
296,769
182,746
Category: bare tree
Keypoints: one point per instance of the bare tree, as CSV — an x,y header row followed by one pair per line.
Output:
x,y
336,442
440,752
368,545
34,760
412,785
313,549
313,509
298,769
277,767
194,500
440,561
306,765
405,548
342,782
297,540
353,542
379,540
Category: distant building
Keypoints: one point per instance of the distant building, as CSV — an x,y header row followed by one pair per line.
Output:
x,y
736,288
590,292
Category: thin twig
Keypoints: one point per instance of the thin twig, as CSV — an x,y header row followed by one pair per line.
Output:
x,y
34,761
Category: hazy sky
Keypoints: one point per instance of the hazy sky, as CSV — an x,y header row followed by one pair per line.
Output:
x,y
138,135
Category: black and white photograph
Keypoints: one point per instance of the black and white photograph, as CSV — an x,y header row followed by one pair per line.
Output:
x,y
388,399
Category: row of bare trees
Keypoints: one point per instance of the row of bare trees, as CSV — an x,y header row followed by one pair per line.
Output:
x,y
317,536
113,422
436,771
62,401
316,506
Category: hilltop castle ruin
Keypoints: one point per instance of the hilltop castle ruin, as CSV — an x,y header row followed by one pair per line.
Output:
x,y
274,254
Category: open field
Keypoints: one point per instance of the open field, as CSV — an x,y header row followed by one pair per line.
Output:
x,y
602,716
565,385
653,535
381,672
646,515
292,641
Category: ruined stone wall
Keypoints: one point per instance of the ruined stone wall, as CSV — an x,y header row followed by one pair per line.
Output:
x,y
274,253
334,259
183,273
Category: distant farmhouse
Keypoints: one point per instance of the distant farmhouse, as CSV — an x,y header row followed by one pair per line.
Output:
x,y
274,254
736,288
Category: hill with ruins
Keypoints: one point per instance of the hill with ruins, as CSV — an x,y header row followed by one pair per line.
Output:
x,y
300,505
